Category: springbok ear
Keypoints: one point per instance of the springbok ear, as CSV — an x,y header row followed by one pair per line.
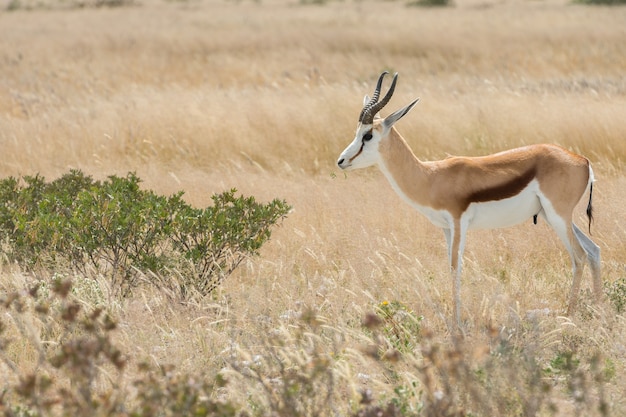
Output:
x,y
366,100
397,115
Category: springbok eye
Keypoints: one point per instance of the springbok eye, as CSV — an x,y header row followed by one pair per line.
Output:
x,y
367,136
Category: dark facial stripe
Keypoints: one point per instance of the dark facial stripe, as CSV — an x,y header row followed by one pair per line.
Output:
x,y
362,145
358,153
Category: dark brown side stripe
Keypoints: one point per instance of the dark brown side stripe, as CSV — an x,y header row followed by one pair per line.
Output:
x,y
501,191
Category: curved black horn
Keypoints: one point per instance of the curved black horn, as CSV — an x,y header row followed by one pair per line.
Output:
x,y
370,111
374,98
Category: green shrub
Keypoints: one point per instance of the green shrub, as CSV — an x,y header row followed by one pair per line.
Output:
x,y
216,239
127,233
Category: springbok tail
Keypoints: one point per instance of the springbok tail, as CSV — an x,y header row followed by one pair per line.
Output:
x,y
590,207
589,204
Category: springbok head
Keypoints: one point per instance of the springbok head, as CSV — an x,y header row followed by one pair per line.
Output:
x,y
371,129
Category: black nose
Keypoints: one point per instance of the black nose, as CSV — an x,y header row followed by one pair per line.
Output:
x,y
340,161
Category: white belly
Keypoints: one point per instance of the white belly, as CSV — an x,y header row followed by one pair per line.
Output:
x,y
505,213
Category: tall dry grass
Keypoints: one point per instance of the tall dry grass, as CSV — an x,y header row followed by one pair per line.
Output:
x,y
205,96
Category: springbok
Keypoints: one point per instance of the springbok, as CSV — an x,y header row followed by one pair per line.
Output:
x,y
462,193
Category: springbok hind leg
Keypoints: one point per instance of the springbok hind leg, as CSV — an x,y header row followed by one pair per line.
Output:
x,y
574,248
593,256
578,265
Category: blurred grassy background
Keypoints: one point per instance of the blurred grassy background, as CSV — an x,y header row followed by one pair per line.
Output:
x,y
203,96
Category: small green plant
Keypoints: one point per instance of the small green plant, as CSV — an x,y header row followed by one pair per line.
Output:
x,y
400,325
616,294
123,231
581,378
563,362
405,399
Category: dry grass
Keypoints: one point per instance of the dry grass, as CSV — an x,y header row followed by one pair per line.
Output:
x,y
205,96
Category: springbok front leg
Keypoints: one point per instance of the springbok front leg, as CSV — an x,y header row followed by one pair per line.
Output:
x,y
455,238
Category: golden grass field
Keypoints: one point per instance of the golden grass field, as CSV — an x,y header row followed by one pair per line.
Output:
x,y
203,96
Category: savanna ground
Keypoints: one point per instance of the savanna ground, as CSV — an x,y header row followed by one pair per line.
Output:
x,y
203,96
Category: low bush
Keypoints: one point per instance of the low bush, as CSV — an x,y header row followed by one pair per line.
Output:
x,y
128,233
